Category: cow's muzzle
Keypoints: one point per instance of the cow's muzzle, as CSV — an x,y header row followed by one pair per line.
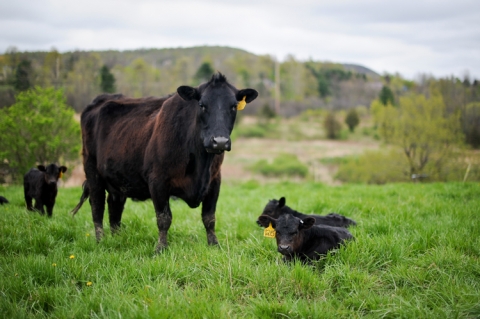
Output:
x,y
219,144
284,249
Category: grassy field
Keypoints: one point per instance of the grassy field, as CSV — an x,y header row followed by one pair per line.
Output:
x,y
416,255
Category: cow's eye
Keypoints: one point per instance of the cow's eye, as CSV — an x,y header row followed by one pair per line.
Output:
x,y
202,106
234,107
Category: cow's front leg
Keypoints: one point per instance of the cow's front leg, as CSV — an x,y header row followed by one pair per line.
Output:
x,y
161,204
209,206
50,209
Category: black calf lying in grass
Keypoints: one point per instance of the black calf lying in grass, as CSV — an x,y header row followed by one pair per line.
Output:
x,y
300,238
276,208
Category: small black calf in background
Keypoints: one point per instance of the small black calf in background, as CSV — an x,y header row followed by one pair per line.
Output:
x,y
41,184
276,208
3,200
300,238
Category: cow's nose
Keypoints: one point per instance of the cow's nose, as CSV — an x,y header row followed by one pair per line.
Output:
x,y
283,248
221,143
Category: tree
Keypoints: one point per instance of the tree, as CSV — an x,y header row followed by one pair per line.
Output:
x,y
332,126
424,131
204,72
386,96
38,129
352,119
23,72
107,80
471,124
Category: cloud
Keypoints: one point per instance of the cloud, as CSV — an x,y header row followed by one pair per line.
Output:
x,y
438,37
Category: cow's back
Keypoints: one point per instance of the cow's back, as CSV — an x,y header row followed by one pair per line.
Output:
x,y
115,132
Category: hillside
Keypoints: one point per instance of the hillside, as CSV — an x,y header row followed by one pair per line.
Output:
x,y
145,72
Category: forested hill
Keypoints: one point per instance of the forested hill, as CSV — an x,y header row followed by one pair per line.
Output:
x,y
157,72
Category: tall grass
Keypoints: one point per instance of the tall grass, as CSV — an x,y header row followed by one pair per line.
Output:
x,y
416,255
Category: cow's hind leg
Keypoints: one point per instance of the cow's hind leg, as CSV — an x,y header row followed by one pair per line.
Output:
x,y
209,206
116,203
39,207
96,186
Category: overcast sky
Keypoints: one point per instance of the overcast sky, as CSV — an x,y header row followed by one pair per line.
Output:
x,y
410,37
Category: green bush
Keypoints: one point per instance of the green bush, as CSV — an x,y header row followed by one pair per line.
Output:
x,y
352,119
38,129
332,126
374,167
282,165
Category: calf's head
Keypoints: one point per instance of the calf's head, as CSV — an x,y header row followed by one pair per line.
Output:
x,y
274,208
288,230
218,101
52,173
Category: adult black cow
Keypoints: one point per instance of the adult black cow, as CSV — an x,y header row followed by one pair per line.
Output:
x,y
41,184
159,147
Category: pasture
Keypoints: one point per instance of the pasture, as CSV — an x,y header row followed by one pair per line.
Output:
x,y
416,255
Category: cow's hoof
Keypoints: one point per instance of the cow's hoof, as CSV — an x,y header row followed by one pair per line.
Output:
x,y
212,240
160,248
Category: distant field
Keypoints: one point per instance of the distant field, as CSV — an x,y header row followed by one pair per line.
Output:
x,y
416,255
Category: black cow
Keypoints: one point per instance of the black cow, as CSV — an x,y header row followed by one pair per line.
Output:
x,y
276,208
41,184
157,148
300,238
3,200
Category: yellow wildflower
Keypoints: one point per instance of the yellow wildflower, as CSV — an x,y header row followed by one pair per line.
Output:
x,y
54,265
89,283
72,256
87,234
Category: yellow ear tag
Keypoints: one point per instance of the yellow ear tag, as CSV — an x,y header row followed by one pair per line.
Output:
x,y
269,232
60,175
241,104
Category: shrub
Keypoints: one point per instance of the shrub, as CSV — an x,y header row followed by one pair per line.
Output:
x,y
282,165
352,119
374,167
332,126
38,129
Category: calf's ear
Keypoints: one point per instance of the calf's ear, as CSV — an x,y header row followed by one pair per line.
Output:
x,y
41,168
248,94
265,221
307,223
63,169
281,202
188,93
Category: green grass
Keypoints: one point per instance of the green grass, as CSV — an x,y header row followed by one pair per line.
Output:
x,y
416,255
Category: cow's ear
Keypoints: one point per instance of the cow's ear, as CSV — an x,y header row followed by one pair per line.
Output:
x,y
63,169
265,221
281,202
248,94
41,168
307,223
188,93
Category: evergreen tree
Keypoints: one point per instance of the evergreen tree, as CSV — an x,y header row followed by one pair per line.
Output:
x,y
352,119
23,71
386,96
204,72
107,80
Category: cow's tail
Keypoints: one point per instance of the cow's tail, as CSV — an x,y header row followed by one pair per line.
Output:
x,y
83,198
